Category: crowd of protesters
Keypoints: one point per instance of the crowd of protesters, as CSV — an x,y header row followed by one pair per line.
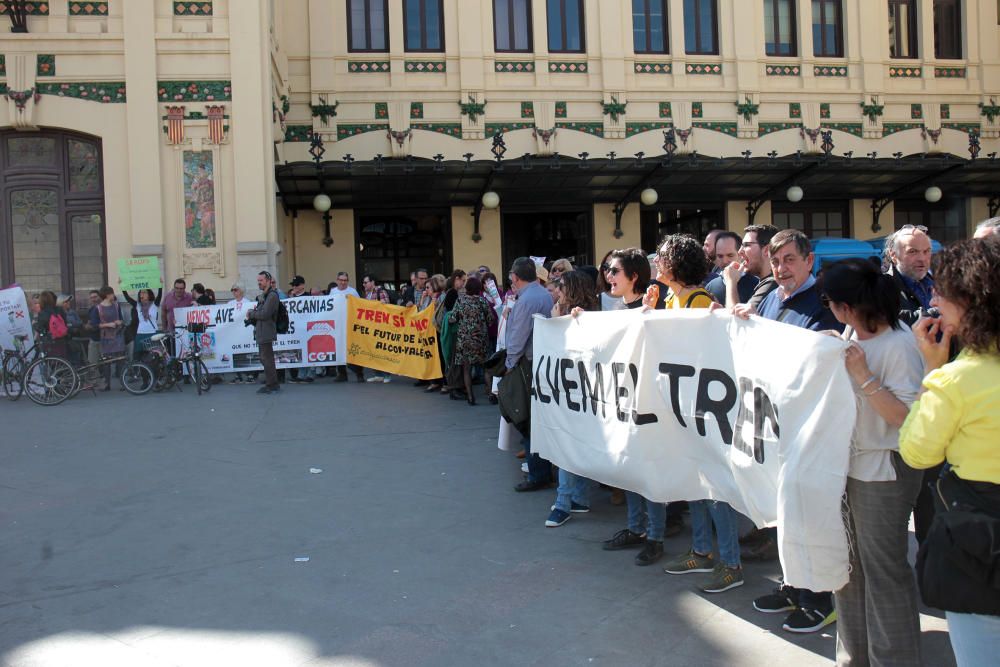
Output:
x,y
923,357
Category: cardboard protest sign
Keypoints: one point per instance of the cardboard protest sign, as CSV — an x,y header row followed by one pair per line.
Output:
x,y
692,405
15,319
392,338
138,273
316,334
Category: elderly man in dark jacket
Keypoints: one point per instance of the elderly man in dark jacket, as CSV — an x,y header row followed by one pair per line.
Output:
x,y
265,329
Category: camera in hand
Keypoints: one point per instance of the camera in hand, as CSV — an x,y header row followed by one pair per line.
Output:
x,y
196,327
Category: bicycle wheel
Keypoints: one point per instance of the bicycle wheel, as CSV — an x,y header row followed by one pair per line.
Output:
x,y
50,380
13,371
200,376
137,378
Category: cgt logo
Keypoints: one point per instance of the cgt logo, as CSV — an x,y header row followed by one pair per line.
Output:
x,y
321,345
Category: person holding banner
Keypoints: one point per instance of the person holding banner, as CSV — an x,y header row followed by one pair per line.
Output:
x,y
956,421
877,612
145,318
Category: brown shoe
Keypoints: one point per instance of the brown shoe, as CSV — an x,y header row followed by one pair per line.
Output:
x,y
521,454
763,551
617,497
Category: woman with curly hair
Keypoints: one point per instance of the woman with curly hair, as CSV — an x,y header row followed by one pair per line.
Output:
x,y
956,420
683,266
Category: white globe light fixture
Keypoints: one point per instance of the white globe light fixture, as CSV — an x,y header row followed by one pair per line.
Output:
x,y
933,194
322,203
648,196
491,200
794,194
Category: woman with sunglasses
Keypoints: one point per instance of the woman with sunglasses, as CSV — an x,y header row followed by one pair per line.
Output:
x,y
956,420
877,608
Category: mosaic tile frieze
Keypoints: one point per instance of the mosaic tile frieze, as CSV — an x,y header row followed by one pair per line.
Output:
x,y
653,68
46,65
905,72
830,70
381,110
666,110
203,8
945,111
367,66
32,8
849,128
703,68
768,128
194,91
88,9
527,110
561,110
503,128
596,129
449,129
425,66
893,128
950,72
632,129
795,110
568,67
298,133
782,70
716,126
514,66
352,129
105,92
416,110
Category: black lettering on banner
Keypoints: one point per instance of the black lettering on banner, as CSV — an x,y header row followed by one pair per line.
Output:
x,y
618,368
552,378
567,384
595,391
639,419
675,372
742,418
536,386
704,404
763,409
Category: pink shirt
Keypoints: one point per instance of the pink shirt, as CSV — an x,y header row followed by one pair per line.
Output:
x,y
170,301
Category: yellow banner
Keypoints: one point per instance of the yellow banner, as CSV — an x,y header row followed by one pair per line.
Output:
x,y
393,339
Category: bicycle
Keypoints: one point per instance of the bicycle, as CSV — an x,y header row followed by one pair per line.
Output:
x,y
170,369
14,364
52,379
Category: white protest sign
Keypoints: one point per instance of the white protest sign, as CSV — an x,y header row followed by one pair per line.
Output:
x,y
316,334
692,405
15,318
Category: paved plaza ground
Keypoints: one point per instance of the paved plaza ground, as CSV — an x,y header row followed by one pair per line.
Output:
x,y
168,530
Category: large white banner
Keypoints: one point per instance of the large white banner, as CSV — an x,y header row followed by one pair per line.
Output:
x,y
316,334
691,405
15,319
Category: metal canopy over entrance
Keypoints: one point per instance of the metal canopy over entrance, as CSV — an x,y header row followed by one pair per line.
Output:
x,y
538,183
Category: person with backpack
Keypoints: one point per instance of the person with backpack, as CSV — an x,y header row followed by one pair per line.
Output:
x,y
52,325
264,318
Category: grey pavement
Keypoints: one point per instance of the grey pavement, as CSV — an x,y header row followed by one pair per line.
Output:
x,y
165,530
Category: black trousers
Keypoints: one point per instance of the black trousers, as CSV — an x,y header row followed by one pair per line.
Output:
x,y
267,360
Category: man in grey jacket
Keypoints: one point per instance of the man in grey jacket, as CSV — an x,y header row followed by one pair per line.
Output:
x,y
265,329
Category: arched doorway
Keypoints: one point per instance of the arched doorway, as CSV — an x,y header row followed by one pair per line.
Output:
x,y
52,232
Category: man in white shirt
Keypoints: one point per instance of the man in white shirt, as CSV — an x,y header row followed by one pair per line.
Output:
x,y
343,287
241,305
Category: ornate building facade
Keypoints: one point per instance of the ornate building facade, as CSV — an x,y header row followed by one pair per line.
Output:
x,y
312,136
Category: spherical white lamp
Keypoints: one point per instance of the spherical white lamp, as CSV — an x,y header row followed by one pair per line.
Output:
x,y
933,194
794,194
648,196
491,200
322,203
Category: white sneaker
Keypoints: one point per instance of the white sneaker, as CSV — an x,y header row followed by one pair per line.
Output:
x,y
524,467
374,379
386,380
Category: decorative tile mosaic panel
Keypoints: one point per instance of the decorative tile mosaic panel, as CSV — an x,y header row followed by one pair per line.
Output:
x,y
527,110
450,129
596,129
916,111
653,68
945,111
561,110
514,66
905,72
88,9
194,91
782,70
351,129
367,66
829,70
298,133
697,110
203,8
949,72
503,128
106,92
424,66
666,111
703,68
33,8
962,127
893,128
381,110
824,110
568,68
632,129
716,126
849,128
199,199
795,110
768,128
46,64
416,109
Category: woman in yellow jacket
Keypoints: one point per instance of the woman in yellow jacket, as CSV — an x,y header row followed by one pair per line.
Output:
x,y
956,419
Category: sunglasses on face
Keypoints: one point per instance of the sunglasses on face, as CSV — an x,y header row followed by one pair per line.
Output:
x,y
613,270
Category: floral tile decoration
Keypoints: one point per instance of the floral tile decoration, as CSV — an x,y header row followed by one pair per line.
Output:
x,y
203,8
194,91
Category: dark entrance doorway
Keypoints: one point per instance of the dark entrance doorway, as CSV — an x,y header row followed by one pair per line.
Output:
x,y
390,247
549,234
52,232
698,222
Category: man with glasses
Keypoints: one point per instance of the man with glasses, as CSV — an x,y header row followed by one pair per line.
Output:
x,y
796,301
908,252
753,267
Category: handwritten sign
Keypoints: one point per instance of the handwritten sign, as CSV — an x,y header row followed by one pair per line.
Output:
x,y
394,339
138,273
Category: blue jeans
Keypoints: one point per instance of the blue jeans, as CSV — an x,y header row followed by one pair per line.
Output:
x,y
572,489
645,516
703,514
975,638
539,470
